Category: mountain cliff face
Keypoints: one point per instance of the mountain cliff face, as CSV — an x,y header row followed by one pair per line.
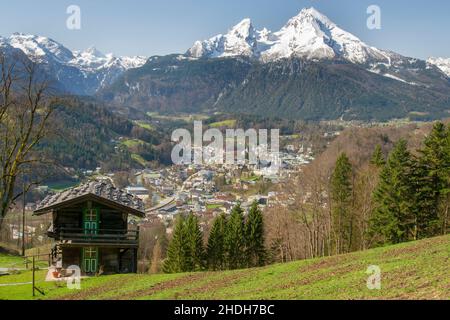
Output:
x,y
309,69
82,73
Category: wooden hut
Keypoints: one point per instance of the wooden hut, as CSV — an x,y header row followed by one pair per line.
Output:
x,y
91,229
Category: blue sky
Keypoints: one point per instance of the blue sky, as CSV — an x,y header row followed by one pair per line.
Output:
x,y
415,28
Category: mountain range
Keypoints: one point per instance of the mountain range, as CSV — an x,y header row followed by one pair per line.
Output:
x,y
309,35
309,69
77,72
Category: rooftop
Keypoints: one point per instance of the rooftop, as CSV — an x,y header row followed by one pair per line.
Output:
x,y
98,189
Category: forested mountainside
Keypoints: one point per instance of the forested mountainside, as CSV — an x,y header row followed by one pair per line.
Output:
x,y
316,91
176,84
86,135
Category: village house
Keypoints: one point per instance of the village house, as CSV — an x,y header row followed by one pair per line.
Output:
x,y
91,230
138,191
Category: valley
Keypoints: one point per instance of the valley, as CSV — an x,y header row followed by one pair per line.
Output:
x,y
118,165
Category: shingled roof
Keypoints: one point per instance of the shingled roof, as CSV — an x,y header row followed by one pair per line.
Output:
x,y
96,189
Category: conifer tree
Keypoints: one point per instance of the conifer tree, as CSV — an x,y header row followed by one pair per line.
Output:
x,y
445,205
425,205
194,240
394,219
434,182
378,157
176,253
216,245
234,239
254,237
341,196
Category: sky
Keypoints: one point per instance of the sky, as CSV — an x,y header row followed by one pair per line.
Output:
x,y
415,28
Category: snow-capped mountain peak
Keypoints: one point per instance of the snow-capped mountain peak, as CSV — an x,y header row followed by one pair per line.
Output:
x,y
90,58
89,69
442,63
310,34
93,51
93,58
133,62
243,29
310,14
241,40
37,48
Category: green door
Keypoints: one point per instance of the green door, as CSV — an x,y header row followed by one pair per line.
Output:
x,y
90,260
90,221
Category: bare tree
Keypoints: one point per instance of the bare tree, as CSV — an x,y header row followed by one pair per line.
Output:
x,y
155,266
299,222
281,235
26,105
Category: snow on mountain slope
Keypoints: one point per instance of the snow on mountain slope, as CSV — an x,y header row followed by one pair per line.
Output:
x,y
442,63
309,35
312,35
241,40
81,72
39,48
5,47
92,59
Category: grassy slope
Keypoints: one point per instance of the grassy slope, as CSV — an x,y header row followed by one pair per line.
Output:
x,y
11,261
17,262
225,123
416,270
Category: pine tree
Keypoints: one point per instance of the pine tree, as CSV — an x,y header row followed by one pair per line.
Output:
x,y
394,219
254,237
426,196
176,261
445,205
378,157
434,182
341,196
216,245
195,251
234,239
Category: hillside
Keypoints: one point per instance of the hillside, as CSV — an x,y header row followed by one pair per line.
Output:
x,y
176,84
417,270
86,135
332,90
82,134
